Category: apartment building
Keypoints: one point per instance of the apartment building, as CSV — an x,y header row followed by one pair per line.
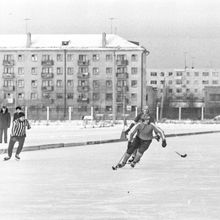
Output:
x,y
183,88
100,70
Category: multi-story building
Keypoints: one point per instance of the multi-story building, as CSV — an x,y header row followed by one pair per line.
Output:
x,y
183,88
103,71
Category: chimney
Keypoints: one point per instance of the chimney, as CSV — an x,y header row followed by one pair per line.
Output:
x,y
103,39
28,43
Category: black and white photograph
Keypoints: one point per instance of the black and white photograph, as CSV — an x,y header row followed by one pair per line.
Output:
x,y
110,109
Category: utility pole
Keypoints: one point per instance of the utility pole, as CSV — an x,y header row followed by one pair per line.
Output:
x,y
111,21
26,24
64,114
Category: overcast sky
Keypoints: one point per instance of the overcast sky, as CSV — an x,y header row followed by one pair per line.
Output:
x,y
167,28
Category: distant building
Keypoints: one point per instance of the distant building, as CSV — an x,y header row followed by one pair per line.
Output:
x,y
100,70
184,88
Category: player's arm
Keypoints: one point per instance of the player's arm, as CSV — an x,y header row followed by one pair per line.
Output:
x,y
28,124
133,123
133,133
159,131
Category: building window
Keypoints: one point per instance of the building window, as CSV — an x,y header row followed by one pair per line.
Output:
x,y
95,84
59,95
95,57
33,70
108,57
205,74
214,97
134,83
187,82
196,73
188,73
33,83
162,82
20,95
108,96
108,108
195,90
108,70
216,74
33,95
21,83
8,83
20,57
95,96
214,82
153,73
153,82
134,70
46,83
59,57
20,70
46,57
170,90
178,81
205,82
69,83
170,73
59,83
70,71
179,73
178,90
59,70
162,74
82,57
108,83
8,70
8,57
70,57
95,70
170,82
69,95
134,96
196,82
47,70
134,57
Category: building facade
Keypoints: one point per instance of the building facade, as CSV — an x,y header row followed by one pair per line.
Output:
x,y
102,71
183,88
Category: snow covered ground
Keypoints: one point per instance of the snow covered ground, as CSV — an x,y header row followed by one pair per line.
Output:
x,y
74,131
78,183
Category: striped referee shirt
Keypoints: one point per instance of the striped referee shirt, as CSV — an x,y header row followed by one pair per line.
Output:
x,y
19,128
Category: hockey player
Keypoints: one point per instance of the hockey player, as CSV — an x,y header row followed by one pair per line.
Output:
x,y
144,135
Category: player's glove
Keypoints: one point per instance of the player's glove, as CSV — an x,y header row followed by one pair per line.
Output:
x,y
127,131
157,137
164,143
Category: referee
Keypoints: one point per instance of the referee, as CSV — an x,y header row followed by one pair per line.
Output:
x,y
18,134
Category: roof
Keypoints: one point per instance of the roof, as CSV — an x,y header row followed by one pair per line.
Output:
x,y
76,41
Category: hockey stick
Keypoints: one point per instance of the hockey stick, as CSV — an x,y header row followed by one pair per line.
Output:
x,y
181,155
116,166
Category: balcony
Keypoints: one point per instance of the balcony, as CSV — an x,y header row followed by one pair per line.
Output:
x,y
83,88
121,62
83,62
47,88
122,75
9,88
8,75
47,62
47,75
8,62
83,75
83,99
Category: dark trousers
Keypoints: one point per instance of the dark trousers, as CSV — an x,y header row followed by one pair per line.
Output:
x,y
138,144
12,142
5,131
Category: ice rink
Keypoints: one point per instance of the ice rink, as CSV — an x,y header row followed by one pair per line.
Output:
x,y
78,183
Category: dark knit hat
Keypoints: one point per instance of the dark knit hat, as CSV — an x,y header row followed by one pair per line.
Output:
x,y
21,114
18,107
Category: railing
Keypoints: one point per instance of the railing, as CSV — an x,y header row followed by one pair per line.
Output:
x,y
8,62
47,62
83,88
47,75
121,62
83,75
83,62
8,75
83,100
122,88
123,75
9,88
47,88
